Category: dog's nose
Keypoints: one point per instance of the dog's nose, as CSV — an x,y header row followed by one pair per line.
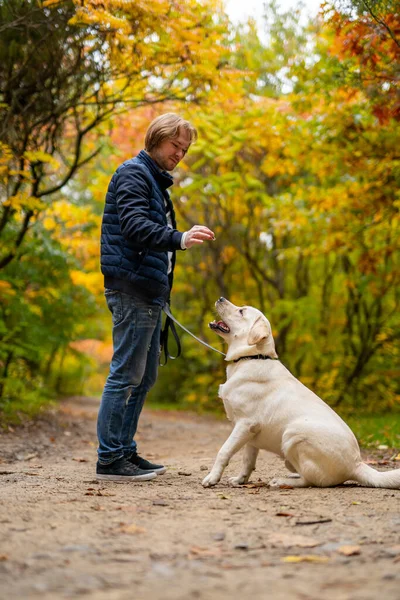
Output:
x,y
221,299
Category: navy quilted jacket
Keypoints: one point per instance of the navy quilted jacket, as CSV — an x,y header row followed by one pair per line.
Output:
x,y
135,237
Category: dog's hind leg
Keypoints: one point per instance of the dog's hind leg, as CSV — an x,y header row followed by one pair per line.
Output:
x,y
291,468
250,454
242,433
293,482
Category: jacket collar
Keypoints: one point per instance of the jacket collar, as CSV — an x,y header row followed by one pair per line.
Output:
x,y
163,178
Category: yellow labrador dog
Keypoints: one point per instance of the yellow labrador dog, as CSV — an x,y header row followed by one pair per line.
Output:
x,y
272,410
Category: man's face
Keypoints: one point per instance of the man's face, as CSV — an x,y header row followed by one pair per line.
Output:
x,y
171,151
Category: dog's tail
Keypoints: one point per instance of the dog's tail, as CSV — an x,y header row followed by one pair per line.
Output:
x,y
381,479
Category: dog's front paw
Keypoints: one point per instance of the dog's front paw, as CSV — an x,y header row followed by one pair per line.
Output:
x,y
238,481
210,480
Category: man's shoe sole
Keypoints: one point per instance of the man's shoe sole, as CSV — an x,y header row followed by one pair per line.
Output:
x,y
159,471
127,478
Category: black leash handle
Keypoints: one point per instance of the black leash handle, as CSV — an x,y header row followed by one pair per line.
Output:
x,y
169,324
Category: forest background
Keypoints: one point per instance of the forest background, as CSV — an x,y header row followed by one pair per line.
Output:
x,y
297,170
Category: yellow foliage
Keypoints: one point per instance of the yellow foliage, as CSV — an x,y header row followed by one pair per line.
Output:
x,y
36,310
23,201
40,156
6,290
228,253
91,281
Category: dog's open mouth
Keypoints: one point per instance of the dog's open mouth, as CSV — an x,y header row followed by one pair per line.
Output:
x,y
219,326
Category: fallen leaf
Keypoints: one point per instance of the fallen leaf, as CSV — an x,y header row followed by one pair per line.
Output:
x,y
396,457
3,557
288,540
305,558
132,529
284,514
223,497
79,459
349,550
354,502
160,503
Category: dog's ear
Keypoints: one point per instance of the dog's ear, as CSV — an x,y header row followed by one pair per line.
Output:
x,y
258,332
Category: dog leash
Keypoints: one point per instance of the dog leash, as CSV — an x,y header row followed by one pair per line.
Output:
x,y
169,325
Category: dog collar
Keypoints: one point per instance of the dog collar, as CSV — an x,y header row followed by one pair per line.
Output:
x,y
254,357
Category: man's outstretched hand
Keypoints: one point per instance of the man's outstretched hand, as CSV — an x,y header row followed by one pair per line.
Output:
x,y
197,235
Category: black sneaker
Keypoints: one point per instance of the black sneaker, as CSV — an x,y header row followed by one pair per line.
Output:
x,y
146,466
123,470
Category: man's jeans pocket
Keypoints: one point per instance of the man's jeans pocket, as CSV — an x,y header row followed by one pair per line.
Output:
x,y
114,303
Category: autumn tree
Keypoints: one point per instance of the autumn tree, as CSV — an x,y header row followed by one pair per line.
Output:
x,y
368,32
66,69
302,192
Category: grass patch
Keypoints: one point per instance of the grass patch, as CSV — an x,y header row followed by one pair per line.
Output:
x,y
376,430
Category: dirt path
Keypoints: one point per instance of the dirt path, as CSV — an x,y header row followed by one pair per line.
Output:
x,y
65,535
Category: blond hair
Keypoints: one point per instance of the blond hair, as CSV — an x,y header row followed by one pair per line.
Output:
x,y
167,126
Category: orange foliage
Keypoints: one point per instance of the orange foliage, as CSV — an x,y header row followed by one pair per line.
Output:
x,y
374,44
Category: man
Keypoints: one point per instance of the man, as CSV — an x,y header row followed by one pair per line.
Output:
x,y
138,244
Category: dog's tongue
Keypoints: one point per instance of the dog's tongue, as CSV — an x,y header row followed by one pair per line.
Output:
x,y
221,325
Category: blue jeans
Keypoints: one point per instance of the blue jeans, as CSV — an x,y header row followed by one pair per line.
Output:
x,y
133,371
